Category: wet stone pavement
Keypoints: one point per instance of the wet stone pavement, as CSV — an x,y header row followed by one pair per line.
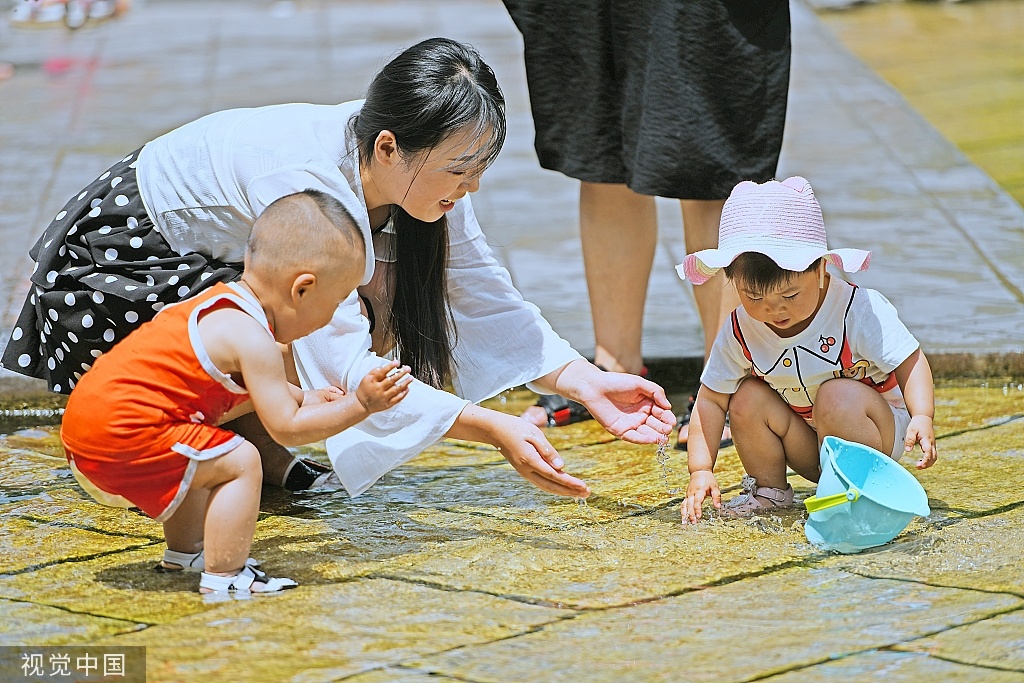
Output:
x,y
453,567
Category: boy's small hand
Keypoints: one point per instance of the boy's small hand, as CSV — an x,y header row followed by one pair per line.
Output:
x,y
702,483
383,387
921,430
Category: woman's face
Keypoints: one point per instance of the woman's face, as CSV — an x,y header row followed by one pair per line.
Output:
x,y
429,184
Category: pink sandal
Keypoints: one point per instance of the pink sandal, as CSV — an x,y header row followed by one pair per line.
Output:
x,y
749,502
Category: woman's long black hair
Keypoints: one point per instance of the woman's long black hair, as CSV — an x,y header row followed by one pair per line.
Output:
x,y
430,91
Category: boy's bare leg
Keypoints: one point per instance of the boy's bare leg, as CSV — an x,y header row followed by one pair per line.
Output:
x,y
716,298
854,411
274,456
184,530
234,481
769,436
619,235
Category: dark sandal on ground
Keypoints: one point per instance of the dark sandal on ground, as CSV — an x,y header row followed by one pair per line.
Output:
x,y
685,420
304,474
561,411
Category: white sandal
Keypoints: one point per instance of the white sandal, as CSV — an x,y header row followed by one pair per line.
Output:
x,y
748,503
189,562
243,582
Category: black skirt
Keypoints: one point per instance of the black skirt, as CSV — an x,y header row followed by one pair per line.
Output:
x,y
101,270
674,98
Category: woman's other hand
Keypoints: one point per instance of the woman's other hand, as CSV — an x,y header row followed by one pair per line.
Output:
x,y
523,445
534,458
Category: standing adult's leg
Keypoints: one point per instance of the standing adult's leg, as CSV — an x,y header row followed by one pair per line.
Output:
x,y
716,298
619,234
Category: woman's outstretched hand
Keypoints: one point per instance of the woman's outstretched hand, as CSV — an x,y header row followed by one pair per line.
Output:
x,y
630,407
523,445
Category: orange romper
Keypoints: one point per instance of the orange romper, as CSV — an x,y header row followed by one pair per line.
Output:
x,y
137,423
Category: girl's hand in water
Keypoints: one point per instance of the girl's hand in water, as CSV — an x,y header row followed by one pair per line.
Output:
x,y
920,430
702,484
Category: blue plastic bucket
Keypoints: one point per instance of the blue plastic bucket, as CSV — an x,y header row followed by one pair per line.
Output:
x,y
864,498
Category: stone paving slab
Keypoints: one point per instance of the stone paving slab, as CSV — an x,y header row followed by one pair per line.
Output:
x,y
121,586
74,508
997,643
43,625
49,544
979,471
627,561
339,630
970,89
720,634
981,554
898,667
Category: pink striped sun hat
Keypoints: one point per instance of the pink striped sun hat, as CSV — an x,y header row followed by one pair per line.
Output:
x,y
780,220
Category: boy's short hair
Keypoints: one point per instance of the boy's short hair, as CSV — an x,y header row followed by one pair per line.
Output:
x,y
759,274
302,230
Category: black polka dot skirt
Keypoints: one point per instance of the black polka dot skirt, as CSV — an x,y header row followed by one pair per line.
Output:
x,y
101,270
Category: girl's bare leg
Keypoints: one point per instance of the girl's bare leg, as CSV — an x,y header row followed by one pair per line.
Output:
x,y
854,411
769,436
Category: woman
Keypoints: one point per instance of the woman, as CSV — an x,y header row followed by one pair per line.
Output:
x,y
172,219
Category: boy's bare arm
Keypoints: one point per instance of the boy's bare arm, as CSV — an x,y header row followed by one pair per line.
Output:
x,y
239,345
914,376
